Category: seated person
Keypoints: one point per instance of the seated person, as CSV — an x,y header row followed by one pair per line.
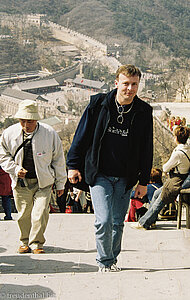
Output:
x,y
136,203
178,165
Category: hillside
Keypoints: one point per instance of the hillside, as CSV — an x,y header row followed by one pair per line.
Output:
x,y
149,21
152,33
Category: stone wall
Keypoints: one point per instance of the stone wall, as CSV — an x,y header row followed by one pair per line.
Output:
x,y
163,143
93,47
69,72
80,40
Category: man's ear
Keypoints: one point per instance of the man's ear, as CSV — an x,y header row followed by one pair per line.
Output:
x,y
116,83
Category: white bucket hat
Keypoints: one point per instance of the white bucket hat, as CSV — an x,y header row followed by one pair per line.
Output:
x,y
28,110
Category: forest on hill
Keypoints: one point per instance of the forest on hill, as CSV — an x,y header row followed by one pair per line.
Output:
x,y
149,21
154,34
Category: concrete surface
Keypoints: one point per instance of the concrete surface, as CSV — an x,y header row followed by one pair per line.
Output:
x,y
155,264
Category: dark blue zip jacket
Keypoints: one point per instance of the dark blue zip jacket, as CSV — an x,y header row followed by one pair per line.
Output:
x,y
85,149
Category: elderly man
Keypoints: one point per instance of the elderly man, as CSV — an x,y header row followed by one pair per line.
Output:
x,y
31,152
112,147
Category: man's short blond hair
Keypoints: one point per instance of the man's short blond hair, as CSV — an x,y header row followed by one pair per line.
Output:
x,y
129,71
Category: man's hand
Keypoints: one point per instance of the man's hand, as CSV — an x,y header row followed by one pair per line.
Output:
x,y
74,176
59,193
22,173
140,191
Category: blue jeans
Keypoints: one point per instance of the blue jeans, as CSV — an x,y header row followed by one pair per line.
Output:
x,y
151,215
110,200
6,203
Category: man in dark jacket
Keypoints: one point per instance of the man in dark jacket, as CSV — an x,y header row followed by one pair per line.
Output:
x,y
112,150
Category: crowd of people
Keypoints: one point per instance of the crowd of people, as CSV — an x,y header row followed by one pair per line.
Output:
x,y
73,200
173,122
109,167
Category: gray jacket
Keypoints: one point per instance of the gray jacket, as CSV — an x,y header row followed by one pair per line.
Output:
x,y
47,154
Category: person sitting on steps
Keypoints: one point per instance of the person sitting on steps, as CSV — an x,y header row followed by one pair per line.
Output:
x,y
178,167
137,204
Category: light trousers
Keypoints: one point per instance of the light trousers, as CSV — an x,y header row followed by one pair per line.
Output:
x,y
32,204
151,215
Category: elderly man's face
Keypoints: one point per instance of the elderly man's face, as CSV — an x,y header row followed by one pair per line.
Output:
x,y
28,125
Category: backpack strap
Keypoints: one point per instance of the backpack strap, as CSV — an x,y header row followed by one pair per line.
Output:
x,y
187,158
185,154
25,141
21,146
155,186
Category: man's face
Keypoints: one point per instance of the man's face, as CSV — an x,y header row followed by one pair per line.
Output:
x,y
127,88
28,125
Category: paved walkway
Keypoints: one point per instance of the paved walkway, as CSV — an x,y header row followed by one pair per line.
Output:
x,y
156,264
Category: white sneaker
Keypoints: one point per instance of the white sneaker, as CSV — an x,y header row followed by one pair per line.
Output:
x,y
104,269
137,225
115,268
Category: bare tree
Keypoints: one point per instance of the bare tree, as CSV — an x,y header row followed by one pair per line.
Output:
x,y
181,85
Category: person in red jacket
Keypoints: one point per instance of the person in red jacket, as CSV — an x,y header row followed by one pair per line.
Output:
x,y
136,203
5,193
178,121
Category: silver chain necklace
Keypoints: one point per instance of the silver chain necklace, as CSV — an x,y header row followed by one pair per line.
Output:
x,y
121,111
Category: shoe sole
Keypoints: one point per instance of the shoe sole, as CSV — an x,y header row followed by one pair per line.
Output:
x,y
38,252
24,251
